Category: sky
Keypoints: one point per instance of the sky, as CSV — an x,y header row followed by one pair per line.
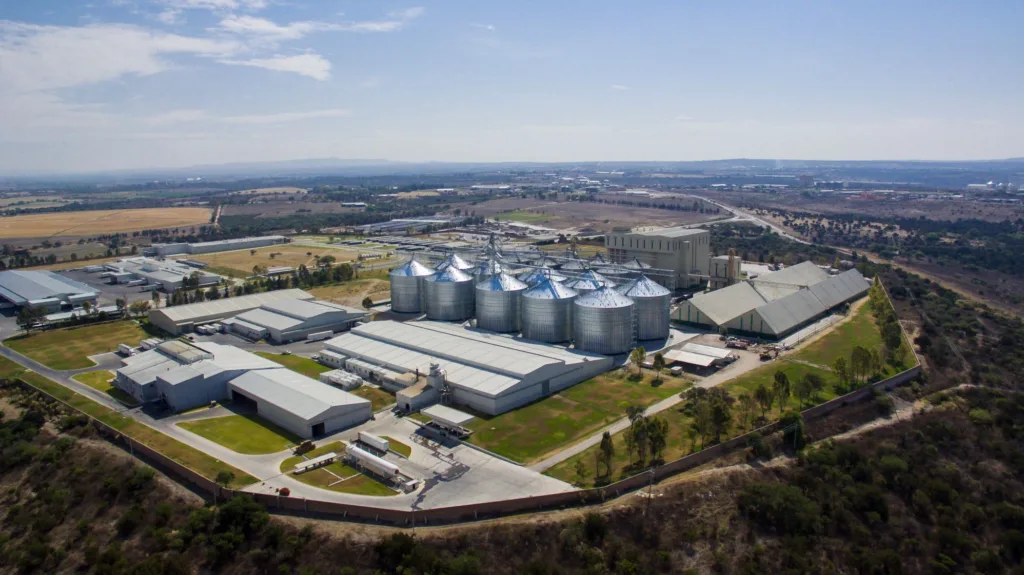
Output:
x,y
130,84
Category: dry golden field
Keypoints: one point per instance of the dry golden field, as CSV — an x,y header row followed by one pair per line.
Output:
x,y
242,261
89,223
259,191
419,194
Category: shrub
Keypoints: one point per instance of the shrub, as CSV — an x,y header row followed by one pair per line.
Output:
x,y
781,508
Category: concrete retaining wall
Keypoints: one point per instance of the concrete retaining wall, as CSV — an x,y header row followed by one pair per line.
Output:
x,y
328,509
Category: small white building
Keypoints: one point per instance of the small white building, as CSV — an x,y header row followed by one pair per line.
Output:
x,y
183,318
293,320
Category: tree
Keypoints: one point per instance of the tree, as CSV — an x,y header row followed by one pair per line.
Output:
x,y
840,368
657,437
87,307
816,382
137,308
702,420
860,364
121,303
802,390
29,316
780,389
224,478
607,452
748,407
637,357
764,399
367,302
659,362
155,297
581,473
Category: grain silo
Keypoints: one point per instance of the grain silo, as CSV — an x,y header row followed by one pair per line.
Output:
x,y
602,322
573,264
486,268
450,295
589,281
407,289
453,260
652,303
547,312
537,275
499,303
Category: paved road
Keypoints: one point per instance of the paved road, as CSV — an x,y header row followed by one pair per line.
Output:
x,y
742,215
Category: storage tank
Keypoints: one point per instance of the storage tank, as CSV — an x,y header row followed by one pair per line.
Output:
x,y
589,281
636,265
602,322
371,462
453,260
450,295
547,312
652,303
407,289
574,265
486,268
499,302
537,275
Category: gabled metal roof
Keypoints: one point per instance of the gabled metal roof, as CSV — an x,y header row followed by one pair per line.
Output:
x,y
726,304
228,305
841,288
297,394
802,274
788,312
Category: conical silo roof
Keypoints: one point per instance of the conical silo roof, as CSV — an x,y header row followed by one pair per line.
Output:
x,y
549,289
487,267
450,275
501,282
604,297
453,260
411,268
643,286
574,264
635,264
538,275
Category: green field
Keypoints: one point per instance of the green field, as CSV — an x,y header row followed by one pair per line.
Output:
x,y
521,216
189,457
398,447
100,381
529,433
354,483
247,434
69,348
304,365
859,329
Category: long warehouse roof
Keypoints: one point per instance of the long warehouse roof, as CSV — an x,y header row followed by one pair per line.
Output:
x,y
182,313
295,393
726,304
786,313
802,274
21,287
840,288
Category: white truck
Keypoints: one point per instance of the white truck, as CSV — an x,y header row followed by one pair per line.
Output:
x,y
320,336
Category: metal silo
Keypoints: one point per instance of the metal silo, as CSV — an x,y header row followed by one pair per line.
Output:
x,y
498,303
652,303
407,286
486,268
547,312
450,295
573,265
589,281
453,260
537,275
602,322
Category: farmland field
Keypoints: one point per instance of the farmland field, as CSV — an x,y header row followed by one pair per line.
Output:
x,y
277,190
89,223
589,216
239,263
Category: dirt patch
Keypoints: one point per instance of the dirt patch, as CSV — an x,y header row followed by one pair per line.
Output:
x,y
89,223
276,209
587,216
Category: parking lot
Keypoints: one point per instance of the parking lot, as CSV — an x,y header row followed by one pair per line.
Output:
x,y
109,293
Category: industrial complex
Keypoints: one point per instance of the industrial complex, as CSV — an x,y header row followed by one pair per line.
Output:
x,y
164,250
184,318
166,275
43,289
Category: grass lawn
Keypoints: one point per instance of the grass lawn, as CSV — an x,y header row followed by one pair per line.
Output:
x,y
357,484
189,457
859,329
69,348
529,433
398,447
379,399
100,381
248,434
521,216
304,365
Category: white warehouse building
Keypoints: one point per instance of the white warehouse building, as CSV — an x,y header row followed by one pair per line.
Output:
x,y
187,375
489,373
184,318
290,320
167,274
164,250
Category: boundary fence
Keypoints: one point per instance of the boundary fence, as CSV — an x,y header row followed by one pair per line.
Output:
x,y
475,511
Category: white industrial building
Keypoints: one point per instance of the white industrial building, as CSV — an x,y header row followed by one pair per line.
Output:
x,y
186,375
775,304
683,250
169,275
184,318
164,250
43,289
489,373
288,320
303,406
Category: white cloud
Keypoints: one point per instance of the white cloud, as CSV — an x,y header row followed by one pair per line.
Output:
x,y
312,65
252,25
170,16
684,118
38,58
285,117
488,27
396,20
619,87
216,5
